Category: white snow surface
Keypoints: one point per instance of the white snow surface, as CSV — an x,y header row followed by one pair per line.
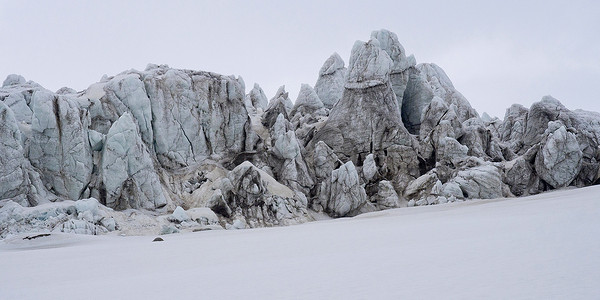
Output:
x,y
538,247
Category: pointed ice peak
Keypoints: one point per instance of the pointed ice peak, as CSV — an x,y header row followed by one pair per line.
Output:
x,y
330,84
486,117
332,64
308,97
151,67
411,61
281,92
369,65
281,96
388,41
241,81
551,100
66,91
13,79
432,71
258,97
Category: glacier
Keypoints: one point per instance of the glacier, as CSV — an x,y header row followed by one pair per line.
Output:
x,y
381,132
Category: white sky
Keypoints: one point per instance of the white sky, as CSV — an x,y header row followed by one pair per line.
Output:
x,y
496,52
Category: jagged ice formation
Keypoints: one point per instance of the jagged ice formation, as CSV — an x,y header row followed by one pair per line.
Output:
x,y
190,150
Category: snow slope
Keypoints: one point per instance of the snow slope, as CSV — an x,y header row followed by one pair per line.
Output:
x,y
539,247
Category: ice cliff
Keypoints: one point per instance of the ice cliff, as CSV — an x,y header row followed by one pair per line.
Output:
x,y
187,150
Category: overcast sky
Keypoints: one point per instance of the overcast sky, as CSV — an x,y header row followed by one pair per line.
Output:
x,y
496,52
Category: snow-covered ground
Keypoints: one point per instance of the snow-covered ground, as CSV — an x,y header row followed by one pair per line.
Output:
x,y
540,247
